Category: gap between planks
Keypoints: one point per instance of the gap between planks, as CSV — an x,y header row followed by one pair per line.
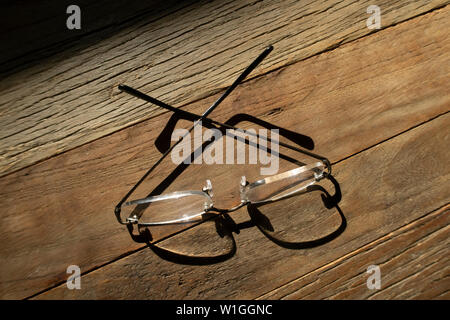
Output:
x,y
288,289
141,274
273,293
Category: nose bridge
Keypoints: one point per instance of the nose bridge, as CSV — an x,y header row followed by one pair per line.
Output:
x,y
227,195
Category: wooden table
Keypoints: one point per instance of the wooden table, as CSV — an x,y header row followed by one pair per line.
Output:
x,y
374,102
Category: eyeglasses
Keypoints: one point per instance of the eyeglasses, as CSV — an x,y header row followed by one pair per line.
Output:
x,y
194,205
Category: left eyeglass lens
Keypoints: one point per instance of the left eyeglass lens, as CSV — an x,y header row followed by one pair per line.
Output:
x,y
174,208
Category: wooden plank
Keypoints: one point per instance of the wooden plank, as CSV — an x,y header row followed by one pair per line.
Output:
x,y
413,261
35,29
71,98
383,188
43,236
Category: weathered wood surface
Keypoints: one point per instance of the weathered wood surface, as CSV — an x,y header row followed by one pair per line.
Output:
x,y
383,188
413,260
71,98
336,98
35,29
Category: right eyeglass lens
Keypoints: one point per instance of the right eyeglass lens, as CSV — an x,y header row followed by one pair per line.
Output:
x,y
284,184
172,208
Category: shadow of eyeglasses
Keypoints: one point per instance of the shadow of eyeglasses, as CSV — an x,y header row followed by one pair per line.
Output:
x,y
163,144
225,226
330,202
299,139
222,231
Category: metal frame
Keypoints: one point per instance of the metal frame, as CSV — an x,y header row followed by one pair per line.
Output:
x,y
245,186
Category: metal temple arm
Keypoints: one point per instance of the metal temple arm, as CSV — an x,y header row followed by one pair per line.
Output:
x,y
203,116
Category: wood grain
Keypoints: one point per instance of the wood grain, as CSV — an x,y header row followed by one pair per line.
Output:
x,y
32,30
413,260
71,98
383,188
60,212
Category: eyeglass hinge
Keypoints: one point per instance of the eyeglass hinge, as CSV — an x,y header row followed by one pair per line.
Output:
x,y
208,187
132,220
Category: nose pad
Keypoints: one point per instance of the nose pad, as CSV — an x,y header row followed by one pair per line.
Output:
x,y
243,183
208,188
